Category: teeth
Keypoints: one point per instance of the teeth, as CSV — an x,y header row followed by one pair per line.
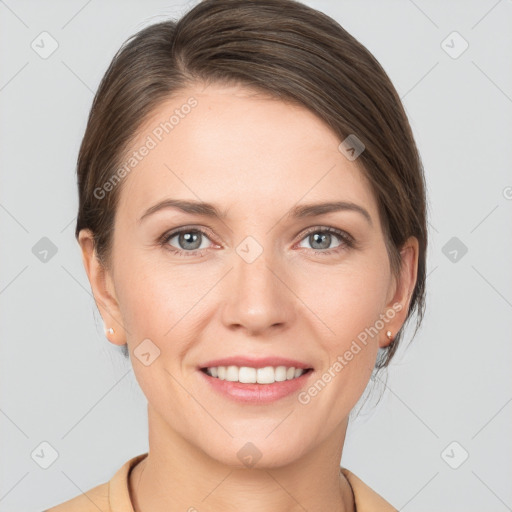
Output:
x,y
247,375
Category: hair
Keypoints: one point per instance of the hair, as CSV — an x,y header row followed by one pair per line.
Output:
x,y
282,48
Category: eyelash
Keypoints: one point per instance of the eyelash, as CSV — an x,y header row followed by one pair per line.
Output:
x,y
347,241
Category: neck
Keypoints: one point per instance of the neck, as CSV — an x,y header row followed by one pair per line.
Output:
x,y
176,476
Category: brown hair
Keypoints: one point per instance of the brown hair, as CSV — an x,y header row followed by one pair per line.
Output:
x,y
281,47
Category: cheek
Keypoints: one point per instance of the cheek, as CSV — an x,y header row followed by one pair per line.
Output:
x,y
154,300
349,302
163,301
347,298
158,304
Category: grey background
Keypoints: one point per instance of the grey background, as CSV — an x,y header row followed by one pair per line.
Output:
x,y
63,383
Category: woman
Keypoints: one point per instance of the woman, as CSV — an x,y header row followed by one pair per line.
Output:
x,y
253,225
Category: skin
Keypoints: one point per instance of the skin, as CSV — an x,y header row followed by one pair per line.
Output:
x,y
255,157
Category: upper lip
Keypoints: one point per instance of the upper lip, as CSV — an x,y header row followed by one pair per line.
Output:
x,y
253,362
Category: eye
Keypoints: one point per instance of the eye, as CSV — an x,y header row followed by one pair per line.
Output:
x,y
187,241
193,241
321,238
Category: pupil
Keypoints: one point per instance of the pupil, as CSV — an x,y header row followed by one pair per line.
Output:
x,y
189,240
323,239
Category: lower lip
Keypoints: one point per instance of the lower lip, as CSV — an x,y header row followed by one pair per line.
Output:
x,y
256,393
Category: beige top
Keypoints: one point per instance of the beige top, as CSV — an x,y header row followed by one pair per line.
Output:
x,y
114,495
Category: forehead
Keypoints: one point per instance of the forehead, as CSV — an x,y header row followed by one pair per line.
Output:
x,y
239,148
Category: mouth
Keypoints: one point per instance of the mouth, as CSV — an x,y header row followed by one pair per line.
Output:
x,y
256,386
250,375
255,380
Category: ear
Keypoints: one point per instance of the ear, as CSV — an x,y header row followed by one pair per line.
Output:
x,y
102,288
401,290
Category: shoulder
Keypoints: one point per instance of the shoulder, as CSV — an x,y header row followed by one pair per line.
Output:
x,y
91,501
113,495
367,500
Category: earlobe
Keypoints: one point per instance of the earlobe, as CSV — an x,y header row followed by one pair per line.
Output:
x,y
99,280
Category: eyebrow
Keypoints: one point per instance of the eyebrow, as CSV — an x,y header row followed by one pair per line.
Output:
x,y
312,210
193,207
300,211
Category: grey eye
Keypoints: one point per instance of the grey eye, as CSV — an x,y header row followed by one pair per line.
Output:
x,y
319,240
189,240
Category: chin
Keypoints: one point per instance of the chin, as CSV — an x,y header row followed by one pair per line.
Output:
x,y
259,451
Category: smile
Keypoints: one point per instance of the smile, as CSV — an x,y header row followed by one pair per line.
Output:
x,y
249,375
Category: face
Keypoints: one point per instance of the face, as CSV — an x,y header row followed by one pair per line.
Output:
x,y
256,276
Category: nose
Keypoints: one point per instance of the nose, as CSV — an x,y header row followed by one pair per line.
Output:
x,y
258,296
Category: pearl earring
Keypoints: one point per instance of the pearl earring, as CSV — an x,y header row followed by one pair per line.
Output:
x,y
110,330
389,334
